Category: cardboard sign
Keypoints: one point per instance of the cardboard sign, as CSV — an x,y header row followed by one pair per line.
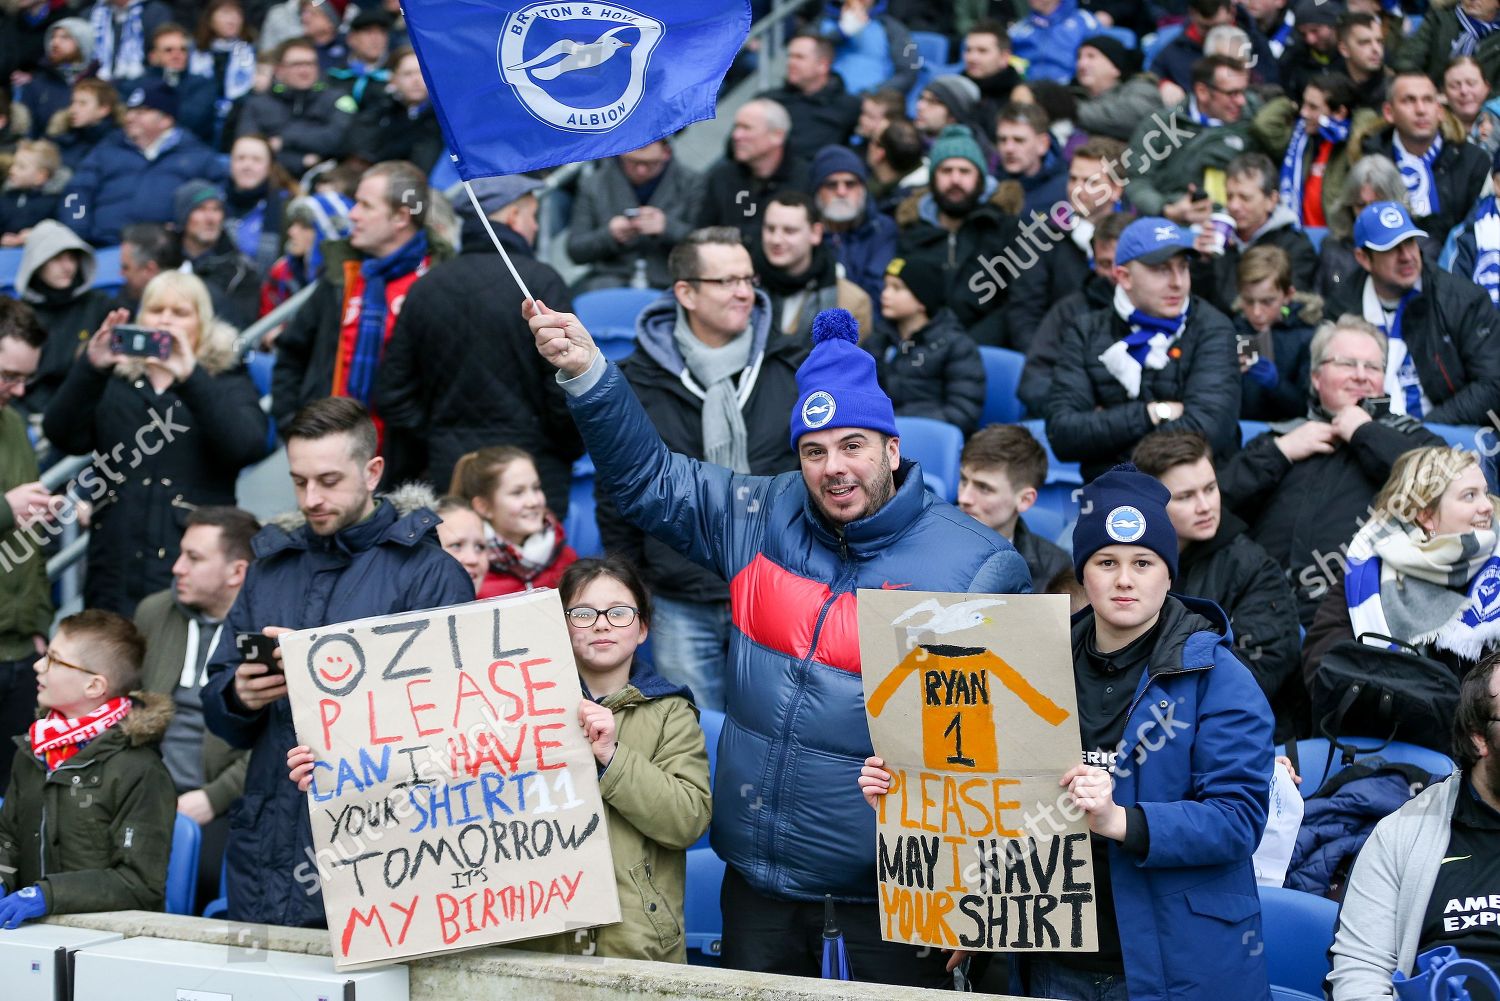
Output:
x,y
455,802
971,704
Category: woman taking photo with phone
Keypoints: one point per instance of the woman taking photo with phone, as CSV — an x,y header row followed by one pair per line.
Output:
x,y
172,423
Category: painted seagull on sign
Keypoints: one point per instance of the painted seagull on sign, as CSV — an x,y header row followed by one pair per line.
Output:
x,y
577,55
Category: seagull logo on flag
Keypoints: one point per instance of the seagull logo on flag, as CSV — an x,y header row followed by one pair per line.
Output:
x,y
577,56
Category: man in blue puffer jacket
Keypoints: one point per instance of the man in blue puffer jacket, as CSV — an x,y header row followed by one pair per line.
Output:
x,y
788,816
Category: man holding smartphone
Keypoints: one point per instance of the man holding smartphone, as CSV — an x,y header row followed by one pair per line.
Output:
x,y
356,556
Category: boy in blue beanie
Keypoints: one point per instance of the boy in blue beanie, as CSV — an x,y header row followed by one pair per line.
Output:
x,y
1177,759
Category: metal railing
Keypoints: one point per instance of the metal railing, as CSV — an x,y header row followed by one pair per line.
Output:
x,y
771,41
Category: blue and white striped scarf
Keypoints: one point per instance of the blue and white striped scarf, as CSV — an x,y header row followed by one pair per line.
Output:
x,y
1475,31
1202,117
128,61
1146,346
1487,248
1333,130
239,68
1416,174
1444,590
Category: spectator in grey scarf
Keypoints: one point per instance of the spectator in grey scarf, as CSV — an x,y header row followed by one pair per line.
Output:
x,y
718,386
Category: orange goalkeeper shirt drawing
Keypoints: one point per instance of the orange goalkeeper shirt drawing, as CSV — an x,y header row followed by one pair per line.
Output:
x,y
958,724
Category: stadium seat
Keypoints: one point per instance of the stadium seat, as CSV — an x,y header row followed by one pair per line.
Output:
x,y
1048,523
1458,435
1057,470
1002,379
1057,499
712,723
219,906
615,343
1316,234
1250,429
182,865
932,48
1152,44
260,365
700,905
935,445
1298,929
581,525
613,307
1312,758
1124,36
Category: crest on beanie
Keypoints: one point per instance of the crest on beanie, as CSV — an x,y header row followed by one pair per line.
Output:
x,y
1125,524
818,409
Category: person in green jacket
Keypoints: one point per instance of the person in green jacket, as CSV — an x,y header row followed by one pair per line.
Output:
x,y
653,766
25,598
88,814
1453,28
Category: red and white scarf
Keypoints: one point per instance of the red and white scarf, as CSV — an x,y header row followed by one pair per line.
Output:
x,y
56,738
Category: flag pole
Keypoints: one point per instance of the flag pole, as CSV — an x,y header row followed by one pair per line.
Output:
x,y
485,220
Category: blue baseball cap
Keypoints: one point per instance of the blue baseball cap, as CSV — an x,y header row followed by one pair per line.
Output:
x,y
1152,240
1382,225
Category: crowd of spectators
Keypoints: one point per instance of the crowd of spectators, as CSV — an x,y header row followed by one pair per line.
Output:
x,y
1279,213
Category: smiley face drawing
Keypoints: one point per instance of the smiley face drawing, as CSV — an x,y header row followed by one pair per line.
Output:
x,y
336,663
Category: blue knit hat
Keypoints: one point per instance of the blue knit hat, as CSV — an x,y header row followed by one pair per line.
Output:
x,y
836,384
1124,507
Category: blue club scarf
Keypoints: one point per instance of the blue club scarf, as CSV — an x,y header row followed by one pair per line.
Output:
x,y
239,66
1487,248
1283,36
128,61
1145,346
1200,116
1416,172
1332,130
362,76
1475,31
370,340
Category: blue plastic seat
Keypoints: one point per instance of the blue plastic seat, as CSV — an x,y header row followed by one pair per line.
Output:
x,y
700,906
1316,235
613,307
582,525
712,722
1312,758
1059,500
1153,44
1250,429
935,445
1298,929
1057,470
1048,523
1002,381
182,865
219,906
615,343
1456,435
1124,36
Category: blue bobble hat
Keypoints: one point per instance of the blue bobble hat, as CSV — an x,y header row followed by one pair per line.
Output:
x,y
1152,240
1124,507
1383,225
836,384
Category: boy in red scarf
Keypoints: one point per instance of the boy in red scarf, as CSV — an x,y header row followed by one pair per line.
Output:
x,y
89,774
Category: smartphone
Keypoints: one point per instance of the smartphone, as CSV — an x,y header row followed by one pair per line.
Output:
x,y
257,648
631,213
140,342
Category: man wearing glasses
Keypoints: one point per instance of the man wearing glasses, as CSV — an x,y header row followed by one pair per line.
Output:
x,y
1175,164
1304,486
1443,366
1430,874
718,386
25,598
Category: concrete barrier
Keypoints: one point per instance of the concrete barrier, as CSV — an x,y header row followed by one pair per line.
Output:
x,y
507,973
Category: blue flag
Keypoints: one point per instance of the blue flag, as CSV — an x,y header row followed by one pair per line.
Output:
x,y
521,86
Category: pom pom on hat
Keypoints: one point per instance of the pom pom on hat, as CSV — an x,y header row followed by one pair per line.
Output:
x,y
836,383
835,324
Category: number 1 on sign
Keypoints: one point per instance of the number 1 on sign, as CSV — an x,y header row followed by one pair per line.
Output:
x,y
956,728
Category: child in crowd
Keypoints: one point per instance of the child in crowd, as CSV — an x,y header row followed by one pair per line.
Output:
x,y
462,533
1177,760
97,840
999,473
649,748
33,190
527,548
927,364
1274,324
